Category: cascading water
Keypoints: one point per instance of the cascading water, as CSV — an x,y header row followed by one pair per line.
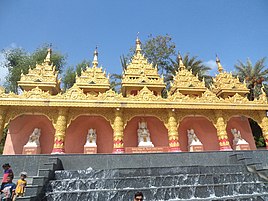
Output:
x,y
231,182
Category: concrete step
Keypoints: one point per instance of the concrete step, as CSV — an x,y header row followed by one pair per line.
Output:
x,y
149,181
164,193
150,171
27,198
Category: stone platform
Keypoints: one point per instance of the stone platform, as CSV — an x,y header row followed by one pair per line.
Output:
x,y
145,168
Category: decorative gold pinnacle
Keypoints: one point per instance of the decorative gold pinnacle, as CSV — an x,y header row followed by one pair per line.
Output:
x,y
47,60
138,44
220,68
95,58
181,65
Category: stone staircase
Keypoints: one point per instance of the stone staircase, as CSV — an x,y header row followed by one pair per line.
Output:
x,y
36,184
199,182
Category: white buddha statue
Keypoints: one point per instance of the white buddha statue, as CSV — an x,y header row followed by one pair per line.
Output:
x,y
192,138
238,140
34,138
144,139
91,138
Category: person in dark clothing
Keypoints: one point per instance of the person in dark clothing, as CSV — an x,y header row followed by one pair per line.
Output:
x,y
7,173
138,196
8,190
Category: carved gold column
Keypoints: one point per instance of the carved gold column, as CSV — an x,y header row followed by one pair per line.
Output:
x,y
60,132
264,127
2,121
118,127
221,132
173,136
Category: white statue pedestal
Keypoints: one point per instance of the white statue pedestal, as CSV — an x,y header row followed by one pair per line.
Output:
x,y
196,146
145,144
30,149
90,148
241,145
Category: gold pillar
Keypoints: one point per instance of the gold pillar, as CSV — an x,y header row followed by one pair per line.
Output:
x,y
221,132
173,136
118,132
2,121
264,127
60,127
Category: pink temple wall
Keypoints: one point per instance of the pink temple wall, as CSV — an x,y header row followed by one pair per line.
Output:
x,y
22,127
76,134
204,130
157,129
241,124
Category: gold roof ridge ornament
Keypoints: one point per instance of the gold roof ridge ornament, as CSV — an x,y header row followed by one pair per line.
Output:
x,y
225,85
185,82
43,76
140,73
93,79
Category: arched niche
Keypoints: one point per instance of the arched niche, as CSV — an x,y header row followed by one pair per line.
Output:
x,y
76,134
204,130
157,129
241,123
21,127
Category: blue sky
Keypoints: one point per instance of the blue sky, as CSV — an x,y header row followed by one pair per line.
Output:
x,y
232,29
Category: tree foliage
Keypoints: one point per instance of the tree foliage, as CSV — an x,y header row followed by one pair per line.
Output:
x,y
254,75
70,73
159,51
19,61
115,79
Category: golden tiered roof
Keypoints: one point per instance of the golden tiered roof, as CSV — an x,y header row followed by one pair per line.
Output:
x,y
226,85
93,79
186,83
140,73
43,76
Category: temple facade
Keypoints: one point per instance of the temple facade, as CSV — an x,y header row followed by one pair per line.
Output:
x,y
91,116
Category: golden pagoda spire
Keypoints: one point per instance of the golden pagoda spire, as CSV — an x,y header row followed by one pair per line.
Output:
x,y
181,65
95,58
138,44
220,68
48,57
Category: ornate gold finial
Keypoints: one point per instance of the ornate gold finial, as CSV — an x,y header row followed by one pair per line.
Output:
x,y
181,66
48,57
138,44
220,68
95,58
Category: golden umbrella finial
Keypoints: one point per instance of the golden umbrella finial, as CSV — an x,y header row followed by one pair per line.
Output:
x,y
138,44
220,68
95,57
48,57
181,65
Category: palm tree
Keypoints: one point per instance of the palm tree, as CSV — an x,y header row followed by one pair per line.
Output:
x,y
116,78
191,63
254,76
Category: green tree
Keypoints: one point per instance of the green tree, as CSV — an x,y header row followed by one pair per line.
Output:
x,y
115,79
19,61
253,75
3,139
159,50
69,75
